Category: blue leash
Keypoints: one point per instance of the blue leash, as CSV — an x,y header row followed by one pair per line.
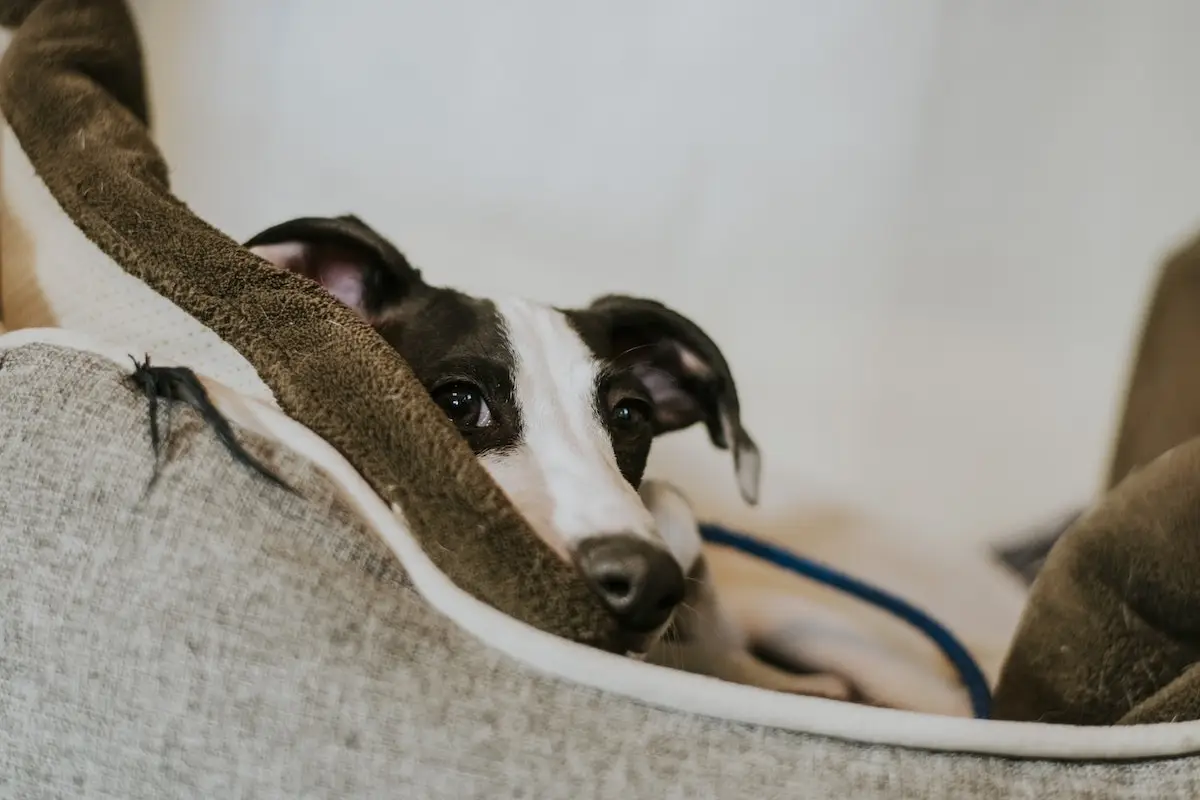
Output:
x,y
972,676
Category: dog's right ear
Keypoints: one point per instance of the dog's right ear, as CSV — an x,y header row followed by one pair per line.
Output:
x,y
346,256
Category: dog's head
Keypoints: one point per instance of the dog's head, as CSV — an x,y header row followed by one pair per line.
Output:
x,y
560,405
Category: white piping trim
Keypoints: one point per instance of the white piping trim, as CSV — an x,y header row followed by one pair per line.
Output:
x,y
660,686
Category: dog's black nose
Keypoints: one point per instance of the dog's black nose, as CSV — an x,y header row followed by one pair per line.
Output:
x,y
639,581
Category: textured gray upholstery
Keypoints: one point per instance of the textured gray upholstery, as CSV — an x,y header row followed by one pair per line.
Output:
x,y
213,636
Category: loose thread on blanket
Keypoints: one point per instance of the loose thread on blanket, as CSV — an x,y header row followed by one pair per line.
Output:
x,y
181,384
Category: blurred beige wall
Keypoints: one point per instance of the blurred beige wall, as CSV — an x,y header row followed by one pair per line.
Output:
x,y
921,230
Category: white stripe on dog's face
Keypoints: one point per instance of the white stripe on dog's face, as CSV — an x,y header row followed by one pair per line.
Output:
x,y
562,472
675,521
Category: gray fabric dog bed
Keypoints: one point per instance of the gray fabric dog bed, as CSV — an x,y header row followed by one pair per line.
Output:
x,y
176,626
214,636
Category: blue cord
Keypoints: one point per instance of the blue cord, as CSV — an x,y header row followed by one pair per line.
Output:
x,y
972,676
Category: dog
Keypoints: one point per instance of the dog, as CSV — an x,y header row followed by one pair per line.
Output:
x,y
561,407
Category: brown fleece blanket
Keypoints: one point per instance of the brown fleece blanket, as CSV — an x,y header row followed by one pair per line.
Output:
x,y
73,90
1110,633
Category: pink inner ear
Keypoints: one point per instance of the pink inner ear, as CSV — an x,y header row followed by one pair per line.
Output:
x,y
342,277
344,280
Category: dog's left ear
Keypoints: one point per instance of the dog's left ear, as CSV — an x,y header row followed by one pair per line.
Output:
x,y
347,257
682,369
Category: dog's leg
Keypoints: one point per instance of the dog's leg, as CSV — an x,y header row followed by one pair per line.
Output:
x,y
742,666
708,645
796,634
703,637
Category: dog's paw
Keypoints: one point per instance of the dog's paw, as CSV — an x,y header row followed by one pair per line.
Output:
x,y
827,685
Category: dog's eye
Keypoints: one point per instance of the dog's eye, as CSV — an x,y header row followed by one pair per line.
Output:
x,y
464,405
630,413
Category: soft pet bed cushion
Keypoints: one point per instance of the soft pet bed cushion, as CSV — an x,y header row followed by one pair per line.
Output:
x,y
207,632
215,636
